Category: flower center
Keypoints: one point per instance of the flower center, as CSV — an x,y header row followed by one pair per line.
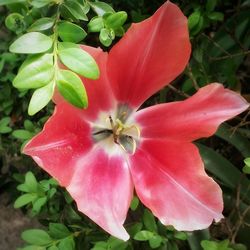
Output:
x,y
126,136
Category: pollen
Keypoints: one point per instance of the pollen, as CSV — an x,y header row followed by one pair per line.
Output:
x,y
126,136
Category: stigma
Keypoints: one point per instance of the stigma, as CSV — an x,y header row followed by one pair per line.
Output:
x,y
118,132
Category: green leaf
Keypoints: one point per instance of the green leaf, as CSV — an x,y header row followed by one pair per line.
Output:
x,y
40,98
210,5
38,204
224,170
24,200
37,237
67,244
101,8
180,235
119,31
216,16
40,3
72,89
5,2
246,169
4,122
194,238
116,20
143,235
247,161
155,241
171,245
115,244
96,24
28,125
236,139
31,182
23,188
105,37
41,24
70,32
37,71
32,247
31,43
80,62
15,22
134,203
53,248
58,231
5,130
194,19
67,45
76,9
149,221
22,134
213,245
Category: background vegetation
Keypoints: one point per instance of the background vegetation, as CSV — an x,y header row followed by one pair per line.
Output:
x,y
220,36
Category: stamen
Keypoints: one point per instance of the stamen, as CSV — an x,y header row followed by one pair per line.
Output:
x,y
101,134
111,122
127,143
124,136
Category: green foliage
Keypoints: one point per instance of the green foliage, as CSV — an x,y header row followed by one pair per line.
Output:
x,y
80,62
36,71
36,194
42,24
4,125
40,98
70,32
212,245
71,88
31,43
203,16
246,168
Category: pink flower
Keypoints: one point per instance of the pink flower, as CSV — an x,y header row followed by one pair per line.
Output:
x,y
101,154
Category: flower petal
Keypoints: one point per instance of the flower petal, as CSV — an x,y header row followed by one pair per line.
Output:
x,y
150,55
64,138
100,96
196,117
103,190
170,180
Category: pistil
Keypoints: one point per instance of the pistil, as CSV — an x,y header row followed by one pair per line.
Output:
x,y
124,136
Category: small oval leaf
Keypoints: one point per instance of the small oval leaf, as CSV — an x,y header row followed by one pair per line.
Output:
x,y
35,72
105,37
31,43
96,24
44,23
72,89
40,98
116,20
36,236
15,22
24,200
143,235
76,10
80,62
70,32
101,8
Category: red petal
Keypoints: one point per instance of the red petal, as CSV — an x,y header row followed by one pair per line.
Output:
x,y
103,190
99,93
64,138
150,55
198,116
169,179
